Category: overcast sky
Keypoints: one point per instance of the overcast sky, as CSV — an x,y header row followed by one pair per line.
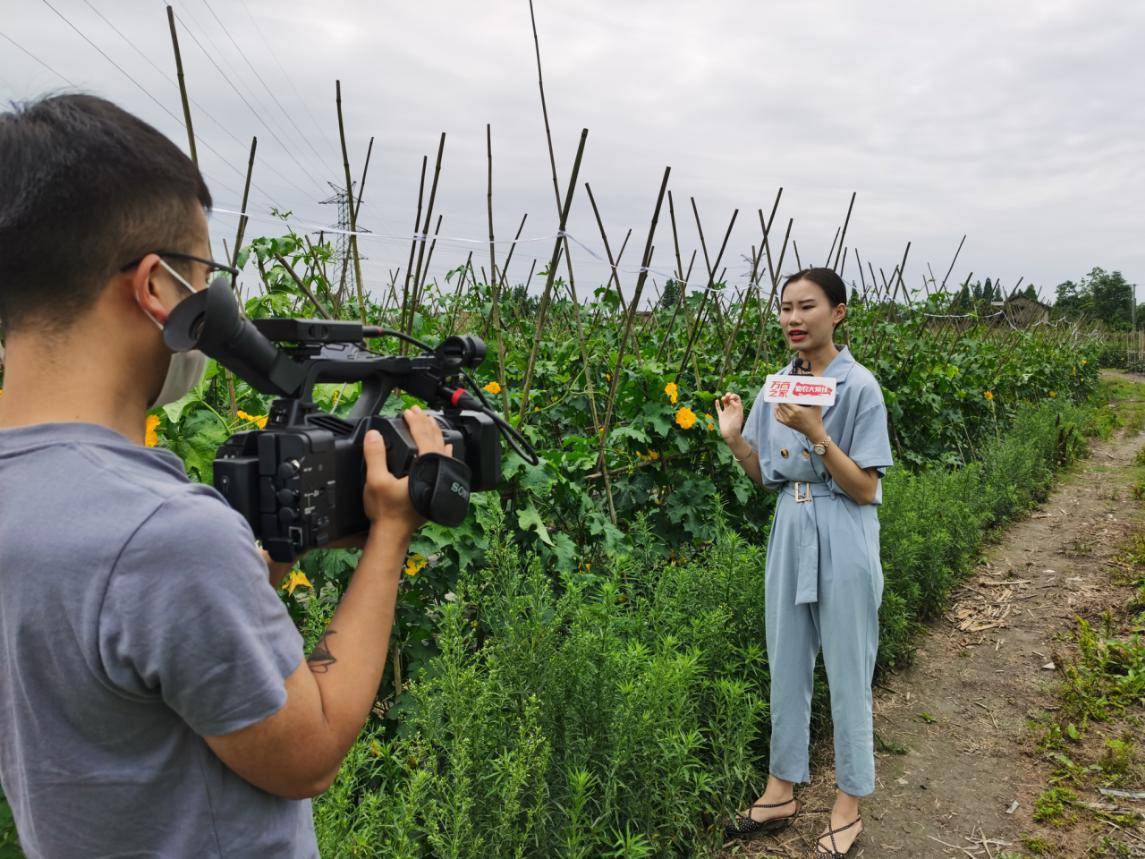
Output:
x,y
1019,124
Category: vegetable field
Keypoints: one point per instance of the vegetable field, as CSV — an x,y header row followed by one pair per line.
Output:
x,y
578,670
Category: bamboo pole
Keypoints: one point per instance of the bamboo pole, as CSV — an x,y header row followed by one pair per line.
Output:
x,y
545,108
417,276
744,301
614,277
846,221
183,87
683,302
614,267
246,197
901,271
512,249
350,200
643,276
495,285
862,279
762,348
590,387
711,280
676,310
551,276
412,250
952,262
303,288
457,294
831,252
429,253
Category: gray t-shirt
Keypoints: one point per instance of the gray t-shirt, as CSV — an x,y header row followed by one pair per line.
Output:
x,y
136,617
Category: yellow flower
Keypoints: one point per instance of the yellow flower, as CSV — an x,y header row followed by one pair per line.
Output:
x,y
653,455
375,748
415,564
1053,393
151,437
686,418
492,388
710,420
989,395
297,580
672,391
1084,361
257,420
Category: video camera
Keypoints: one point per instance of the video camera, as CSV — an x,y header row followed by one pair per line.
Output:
x,y
299,481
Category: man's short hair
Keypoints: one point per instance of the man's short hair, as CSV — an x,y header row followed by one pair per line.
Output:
x,y
85,188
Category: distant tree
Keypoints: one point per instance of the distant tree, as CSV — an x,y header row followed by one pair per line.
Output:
x,y
1031,293
518,297
671,294
1102,295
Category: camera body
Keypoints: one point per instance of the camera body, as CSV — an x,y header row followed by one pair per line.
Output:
x,y
299,484
299,481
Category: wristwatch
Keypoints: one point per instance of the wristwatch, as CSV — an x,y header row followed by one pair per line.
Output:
x,y
820,447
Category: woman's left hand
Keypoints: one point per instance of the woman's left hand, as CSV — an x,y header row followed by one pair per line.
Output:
x,y
805,419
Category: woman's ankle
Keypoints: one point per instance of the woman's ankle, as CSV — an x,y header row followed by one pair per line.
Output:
x,y
778,788
845,805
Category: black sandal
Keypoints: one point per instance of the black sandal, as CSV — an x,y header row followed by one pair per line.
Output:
x,y
831,833
744,827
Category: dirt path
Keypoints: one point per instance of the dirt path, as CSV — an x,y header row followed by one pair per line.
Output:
x,y
957,749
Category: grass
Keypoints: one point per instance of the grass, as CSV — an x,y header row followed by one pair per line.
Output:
x,y
1091,739
1052,807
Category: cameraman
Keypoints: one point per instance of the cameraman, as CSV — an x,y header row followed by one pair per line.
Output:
x,y
153,692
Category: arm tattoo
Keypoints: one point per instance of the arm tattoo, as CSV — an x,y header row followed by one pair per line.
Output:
x,y
321,658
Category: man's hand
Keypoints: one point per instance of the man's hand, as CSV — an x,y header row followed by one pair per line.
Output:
x,y
328,697
386,498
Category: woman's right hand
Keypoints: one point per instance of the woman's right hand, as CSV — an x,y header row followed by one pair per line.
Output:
x,y
729,408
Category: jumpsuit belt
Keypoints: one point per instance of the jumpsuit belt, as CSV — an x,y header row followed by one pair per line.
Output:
x,y
806,537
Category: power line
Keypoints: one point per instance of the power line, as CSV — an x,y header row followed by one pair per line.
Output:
x,y
226,130
142,89
37,59
275,135
269,91
162,107
286,74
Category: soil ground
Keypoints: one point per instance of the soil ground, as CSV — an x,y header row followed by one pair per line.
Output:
x,y
959,767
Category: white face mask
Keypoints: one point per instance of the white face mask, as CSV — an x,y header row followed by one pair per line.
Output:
x,y
186,369
184,373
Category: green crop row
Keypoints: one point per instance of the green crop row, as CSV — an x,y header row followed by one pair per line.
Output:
x,y
623,711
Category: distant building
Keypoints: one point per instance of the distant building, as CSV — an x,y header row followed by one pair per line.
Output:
x,y
1022,311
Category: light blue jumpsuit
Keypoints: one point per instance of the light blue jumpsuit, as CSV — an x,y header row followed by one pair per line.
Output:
x,y
824,581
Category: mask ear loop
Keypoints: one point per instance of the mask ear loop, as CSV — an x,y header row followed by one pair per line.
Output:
x,y
178,277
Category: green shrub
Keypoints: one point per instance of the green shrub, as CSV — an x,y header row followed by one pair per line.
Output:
x,y
623,711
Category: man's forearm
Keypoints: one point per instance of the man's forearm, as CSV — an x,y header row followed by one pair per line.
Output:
x,y
276,570
350,658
